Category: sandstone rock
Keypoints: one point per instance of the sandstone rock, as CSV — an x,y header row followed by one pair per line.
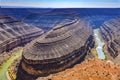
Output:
x,y
110,32
64,45
14,33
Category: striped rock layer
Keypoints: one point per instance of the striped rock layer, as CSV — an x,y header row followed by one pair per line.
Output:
x,y
14,33
110,31
58,49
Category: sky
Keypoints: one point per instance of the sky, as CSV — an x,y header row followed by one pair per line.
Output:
x,y
62,3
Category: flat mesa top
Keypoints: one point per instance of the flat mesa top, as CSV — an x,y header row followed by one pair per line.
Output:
x,y
58,42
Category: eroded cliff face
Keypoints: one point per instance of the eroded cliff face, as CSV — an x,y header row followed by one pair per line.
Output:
x,y
60,48
110,32
14,33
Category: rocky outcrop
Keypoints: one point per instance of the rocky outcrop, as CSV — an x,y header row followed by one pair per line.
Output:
x,y
14,33
64,45
88,70
110,32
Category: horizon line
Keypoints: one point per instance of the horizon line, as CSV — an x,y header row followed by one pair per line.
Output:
x,y
50,7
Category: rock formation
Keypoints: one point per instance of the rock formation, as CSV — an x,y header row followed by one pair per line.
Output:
x,y
64,45
88,70
14,33
110,32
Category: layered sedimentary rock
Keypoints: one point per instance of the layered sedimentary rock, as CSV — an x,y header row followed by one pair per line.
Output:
x,y
110,31
14,33
64,45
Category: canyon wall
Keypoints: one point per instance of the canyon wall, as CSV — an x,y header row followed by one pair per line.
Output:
x,y
14,33
110,32
60,48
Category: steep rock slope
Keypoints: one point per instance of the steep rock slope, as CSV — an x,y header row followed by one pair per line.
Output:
x,y
66,44
13,33
110,32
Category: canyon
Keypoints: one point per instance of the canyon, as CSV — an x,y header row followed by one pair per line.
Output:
x,y
58,49
61,42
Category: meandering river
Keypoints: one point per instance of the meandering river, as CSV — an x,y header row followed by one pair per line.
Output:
x,y
100,44
5,66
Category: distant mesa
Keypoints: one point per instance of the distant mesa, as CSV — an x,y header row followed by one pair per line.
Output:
x,y
64,45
